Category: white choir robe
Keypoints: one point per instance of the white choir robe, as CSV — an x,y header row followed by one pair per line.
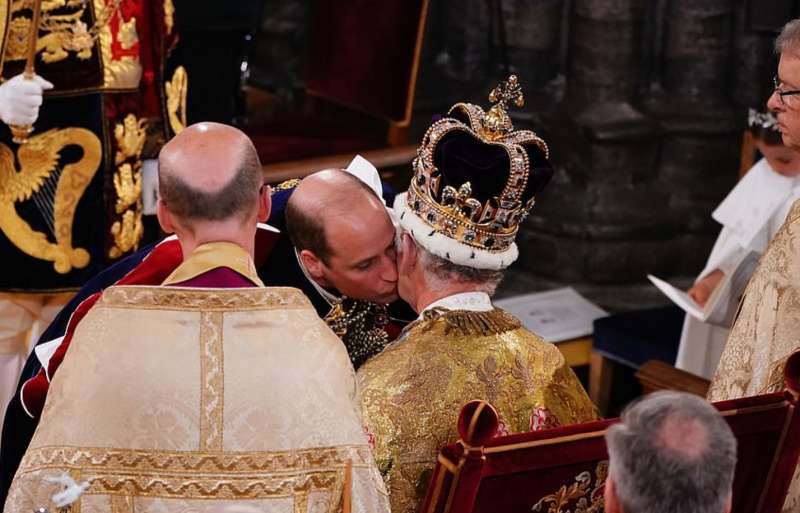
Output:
x,y
750,216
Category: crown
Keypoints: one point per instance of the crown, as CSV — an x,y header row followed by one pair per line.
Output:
x,y
448,204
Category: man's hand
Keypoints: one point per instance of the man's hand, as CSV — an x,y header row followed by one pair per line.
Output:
x,y
20,99
702,290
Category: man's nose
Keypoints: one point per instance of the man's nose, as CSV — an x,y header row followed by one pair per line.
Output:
x,y
388,269
774,103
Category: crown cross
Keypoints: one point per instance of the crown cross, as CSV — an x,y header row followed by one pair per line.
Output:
x,y
496,122
508,91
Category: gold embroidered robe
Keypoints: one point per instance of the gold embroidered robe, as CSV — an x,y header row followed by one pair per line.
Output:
x,y
173,399
411,393
766,329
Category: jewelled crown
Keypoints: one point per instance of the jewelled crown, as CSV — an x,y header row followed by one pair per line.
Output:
x,y
476,179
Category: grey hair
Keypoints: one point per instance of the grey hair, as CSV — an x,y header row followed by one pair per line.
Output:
x,y
440,271
672,451
789,38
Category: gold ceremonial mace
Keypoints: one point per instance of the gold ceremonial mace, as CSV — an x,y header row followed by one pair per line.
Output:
x,y
20,133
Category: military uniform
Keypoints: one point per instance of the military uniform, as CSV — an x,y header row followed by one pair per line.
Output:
x,y
70,198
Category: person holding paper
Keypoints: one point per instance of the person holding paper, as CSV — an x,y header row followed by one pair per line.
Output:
x,y
750,216
767,324
475,181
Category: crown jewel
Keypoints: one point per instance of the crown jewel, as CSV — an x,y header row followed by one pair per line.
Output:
x,y
452,210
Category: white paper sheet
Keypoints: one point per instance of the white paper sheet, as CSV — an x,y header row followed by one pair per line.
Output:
x,y
555,315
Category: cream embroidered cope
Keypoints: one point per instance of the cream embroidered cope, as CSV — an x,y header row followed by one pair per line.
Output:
x,y
174,399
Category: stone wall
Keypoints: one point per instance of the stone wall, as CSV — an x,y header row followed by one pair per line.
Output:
x,y
642,102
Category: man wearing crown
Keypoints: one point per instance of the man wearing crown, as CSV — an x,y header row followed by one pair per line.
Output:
x,y
475,181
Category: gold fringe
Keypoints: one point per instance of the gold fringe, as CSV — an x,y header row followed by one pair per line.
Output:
x,y
467,322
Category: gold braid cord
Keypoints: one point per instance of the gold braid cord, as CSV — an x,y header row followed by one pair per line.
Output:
x,y
361,326
127,230
38,159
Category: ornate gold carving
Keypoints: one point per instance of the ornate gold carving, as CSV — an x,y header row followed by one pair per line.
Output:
x,y
127,231
169,15
211,392
38,159
158,298
204,475
586,498
176,90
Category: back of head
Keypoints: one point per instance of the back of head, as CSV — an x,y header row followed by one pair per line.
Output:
x,y
672,452
209,172
322,195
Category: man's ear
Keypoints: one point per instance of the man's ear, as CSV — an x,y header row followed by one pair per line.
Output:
x,y
611,501
406,255
264,203
315,267
164,217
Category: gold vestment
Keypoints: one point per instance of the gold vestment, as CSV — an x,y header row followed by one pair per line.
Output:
x,y
174,399
412,393
767,327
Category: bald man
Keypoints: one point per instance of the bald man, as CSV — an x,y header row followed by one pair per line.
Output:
x,y
344,287
218,380
344,236
212,198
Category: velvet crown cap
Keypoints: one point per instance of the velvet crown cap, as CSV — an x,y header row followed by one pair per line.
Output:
x,y
475,180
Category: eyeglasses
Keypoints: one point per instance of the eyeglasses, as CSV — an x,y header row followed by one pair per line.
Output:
x,y
781,94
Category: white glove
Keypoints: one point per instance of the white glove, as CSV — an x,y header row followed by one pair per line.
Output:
x,y
20,99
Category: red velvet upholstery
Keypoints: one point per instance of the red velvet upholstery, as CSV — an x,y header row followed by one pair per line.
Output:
x,y
364,54
563,466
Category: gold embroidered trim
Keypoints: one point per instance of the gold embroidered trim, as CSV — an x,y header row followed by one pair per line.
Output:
x,y
58,34
127,230
4,29
169,15
286,184
203,475
301,502
176,90
212,392
121,504
122,73
161,298
586,498
35,179
467,323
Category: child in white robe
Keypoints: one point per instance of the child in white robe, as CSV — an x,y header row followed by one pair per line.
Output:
x,y
750,215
